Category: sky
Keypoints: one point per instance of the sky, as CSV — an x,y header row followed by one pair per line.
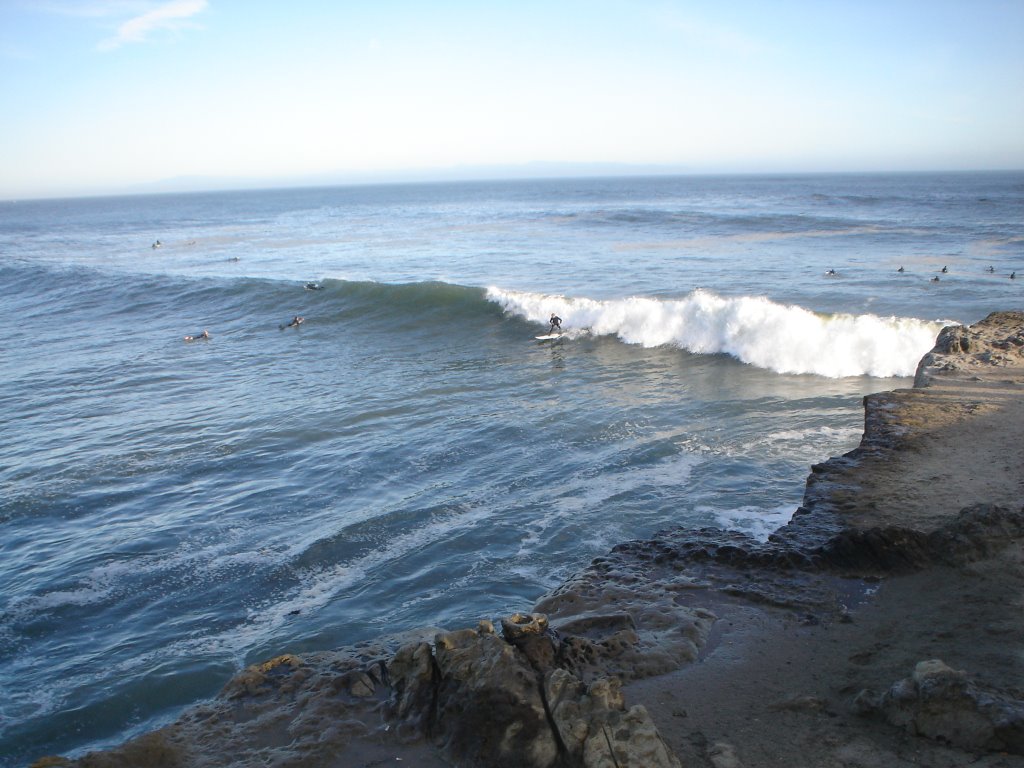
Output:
x,y
100,96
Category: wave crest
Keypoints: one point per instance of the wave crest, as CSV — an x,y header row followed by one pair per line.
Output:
x,y
753,329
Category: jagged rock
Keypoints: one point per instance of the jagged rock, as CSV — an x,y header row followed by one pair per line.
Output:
x,y
597,731
943,704
959,347
275,672
489,707
413,682
629,740
490,700
529,632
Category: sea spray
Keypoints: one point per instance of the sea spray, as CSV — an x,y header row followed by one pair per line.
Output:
x,y
754,329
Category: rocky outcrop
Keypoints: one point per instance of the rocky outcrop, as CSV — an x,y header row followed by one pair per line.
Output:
x,y
490,700
998,340
944,704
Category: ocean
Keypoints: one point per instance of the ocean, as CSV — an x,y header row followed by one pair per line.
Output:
x,y
410,455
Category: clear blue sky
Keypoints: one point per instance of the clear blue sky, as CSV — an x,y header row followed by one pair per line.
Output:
x,y
100,95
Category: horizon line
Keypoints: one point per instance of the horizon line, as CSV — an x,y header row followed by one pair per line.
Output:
x,y
194,184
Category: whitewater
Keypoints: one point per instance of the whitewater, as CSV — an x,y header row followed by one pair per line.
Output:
x,y
409,455
755,330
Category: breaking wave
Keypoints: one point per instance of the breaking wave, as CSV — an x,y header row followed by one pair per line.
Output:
x,y
755,330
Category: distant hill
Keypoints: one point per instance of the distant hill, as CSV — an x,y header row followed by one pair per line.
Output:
x,y
534,170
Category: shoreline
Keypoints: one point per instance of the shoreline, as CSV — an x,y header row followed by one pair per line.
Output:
x,y
706,647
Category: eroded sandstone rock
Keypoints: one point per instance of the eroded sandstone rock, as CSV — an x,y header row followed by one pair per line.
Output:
x,y
996,340
630,627
597,731
944,704
489,706
510,700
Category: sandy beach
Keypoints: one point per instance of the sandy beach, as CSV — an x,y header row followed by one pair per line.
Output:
x,y
883,626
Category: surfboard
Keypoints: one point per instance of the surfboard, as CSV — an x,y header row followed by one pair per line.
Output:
x,y
549,336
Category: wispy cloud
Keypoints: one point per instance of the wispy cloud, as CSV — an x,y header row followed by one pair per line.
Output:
x,y
168,16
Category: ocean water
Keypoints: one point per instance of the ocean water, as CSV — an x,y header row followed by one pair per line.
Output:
x,y
410,455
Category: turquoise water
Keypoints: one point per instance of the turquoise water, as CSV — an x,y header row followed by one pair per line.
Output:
x,y
410,455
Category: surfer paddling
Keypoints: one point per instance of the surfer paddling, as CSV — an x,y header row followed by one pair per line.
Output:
x,y
197,336
296,321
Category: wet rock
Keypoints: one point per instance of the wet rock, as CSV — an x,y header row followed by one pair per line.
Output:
x,y
281,671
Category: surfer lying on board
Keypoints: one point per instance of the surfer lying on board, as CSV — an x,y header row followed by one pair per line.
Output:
x,y
203,335
556,324
296,321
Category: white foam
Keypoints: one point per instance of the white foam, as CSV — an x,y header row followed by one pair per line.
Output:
x,y
579,497
756,521
806,445
755,330
321,585
99,585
